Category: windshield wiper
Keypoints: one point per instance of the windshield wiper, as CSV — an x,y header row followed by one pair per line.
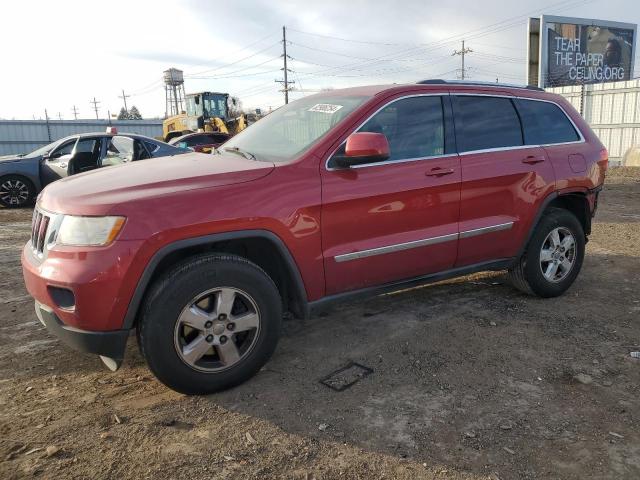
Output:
x,y
239,151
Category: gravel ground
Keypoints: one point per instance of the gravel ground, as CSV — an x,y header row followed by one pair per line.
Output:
x,y
470,380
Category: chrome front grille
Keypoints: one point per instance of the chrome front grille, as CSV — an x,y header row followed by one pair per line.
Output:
x,y
39,229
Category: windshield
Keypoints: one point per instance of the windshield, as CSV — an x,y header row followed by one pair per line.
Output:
x,y
194,109
42,150
293,128
215,106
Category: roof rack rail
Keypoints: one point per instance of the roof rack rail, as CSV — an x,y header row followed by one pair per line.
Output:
x,y
440,81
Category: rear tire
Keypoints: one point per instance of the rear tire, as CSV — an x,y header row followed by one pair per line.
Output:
x,y
553,258
210,323
16,191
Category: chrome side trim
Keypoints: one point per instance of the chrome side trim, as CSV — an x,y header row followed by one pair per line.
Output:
x,y
480,231
404,160
395,248
345,257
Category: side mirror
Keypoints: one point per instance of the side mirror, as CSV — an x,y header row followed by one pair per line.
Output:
x,y
364,147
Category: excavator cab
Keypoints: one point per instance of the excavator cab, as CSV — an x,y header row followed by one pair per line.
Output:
x,y
207,105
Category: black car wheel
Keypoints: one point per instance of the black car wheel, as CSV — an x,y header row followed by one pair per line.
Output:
x,y
16,191
554,256
210,323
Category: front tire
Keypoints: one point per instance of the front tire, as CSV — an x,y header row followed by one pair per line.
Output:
x,y
16,191
210,323
554,256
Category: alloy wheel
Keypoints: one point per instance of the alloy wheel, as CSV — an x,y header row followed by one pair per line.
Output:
x,y
14,192
217,329
558,254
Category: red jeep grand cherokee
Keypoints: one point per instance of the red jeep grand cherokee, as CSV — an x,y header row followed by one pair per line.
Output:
x,y
346,192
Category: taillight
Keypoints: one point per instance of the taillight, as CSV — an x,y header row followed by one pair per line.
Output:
x,y
604,155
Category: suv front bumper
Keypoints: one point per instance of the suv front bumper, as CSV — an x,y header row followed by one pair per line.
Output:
x,y
107,344
79,295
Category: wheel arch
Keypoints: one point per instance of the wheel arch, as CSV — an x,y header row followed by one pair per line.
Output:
x,y
578,204
575,202
262,247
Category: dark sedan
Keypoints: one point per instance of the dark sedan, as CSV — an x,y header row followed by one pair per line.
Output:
x,y
23,176
202,142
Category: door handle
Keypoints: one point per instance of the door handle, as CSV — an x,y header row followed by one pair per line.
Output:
x,y
439,172
533,159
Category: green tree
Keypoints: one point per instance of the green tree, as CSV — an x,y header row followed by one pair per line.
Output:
x,y
123,115
134,114
235,107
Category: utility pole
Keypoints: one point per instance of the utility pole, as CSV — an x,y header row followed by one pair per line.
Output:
x,y
285,83
95,107
124,99
59,116
75,112
46,119
462,53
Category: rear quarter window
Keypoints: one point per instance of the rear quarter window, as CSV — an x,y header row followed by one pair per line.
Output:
x,y
151,147
545,123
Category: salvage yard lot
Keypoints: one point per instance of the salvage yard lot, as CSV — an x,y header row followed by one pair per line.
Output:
x,y
470,380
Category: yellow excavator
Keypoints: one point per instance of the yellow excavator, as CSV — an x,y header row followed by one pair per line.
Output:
x,y
207,112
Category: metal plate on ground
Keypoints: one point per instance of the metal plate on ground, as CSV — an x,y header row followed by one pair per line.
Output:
x,y
346,376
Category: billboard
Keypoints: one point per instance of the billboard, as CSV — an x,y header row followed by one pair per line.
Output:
x,y
574,51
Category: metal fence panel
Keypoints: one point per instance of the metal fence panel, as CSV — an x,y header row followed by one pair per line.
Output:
x,y
613,112
22,136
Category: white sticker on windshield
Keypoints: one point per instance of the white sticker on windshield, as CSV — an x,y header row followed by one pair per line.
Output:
x,y
325,108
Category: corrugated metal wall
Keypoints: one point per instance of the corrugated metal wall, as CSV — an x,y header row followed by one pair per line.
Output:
x,y
23,136
613,111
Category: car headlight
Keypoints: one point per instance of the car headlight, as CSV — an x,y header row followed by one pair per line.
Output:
x,y
94,231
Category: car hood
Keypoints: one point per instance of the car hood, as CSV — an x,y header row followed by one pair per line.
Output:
x,y
99,191
10,158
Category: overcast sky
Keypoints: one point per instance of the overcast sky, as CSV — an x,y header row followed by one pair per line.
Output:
x,y
57,54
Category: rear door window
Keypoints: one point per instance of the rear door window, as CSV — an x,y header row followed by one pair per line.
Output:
x,y
120,150
545,123
487,122
151,147
86,145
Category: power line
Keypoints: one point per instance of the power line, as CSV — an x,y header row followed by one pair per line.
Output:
x,y
235,51
230,74
413,54
366,42
157,83
475,33
233,63
329,51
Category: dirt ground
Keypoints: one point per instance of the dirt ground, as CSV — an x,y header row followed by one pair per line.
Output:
x,y
471,380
